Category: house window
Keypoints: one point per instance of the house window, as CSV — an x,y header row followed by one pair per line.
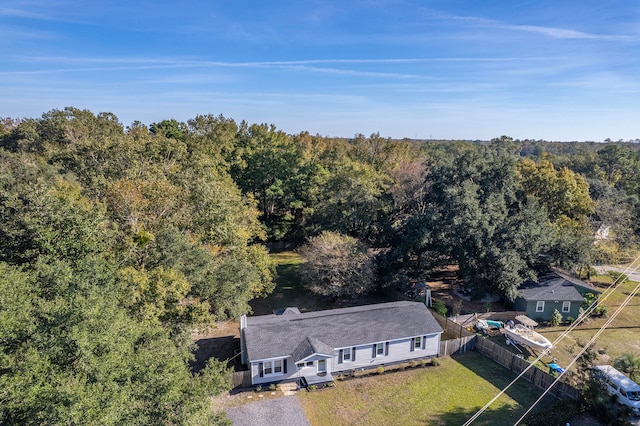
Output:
x,y
379,349
309,363
347,355
540,306
300,365
417,342
566,306
270,368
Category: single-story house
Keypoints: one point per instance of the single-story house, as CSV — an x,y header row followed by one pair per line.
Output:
x,y
310,346
554,290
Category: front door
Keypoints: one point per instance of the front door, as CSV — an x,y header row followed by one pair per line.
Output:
x,y
322,366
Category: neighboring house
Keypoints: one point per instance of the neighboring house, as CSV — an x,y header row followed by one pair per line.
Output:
x,y
290,345
554,290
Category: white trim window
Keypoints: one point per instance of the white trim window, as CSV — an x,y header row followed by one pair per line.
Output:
x,y
417,342
566,306
347,355
380,349
540,306
272,368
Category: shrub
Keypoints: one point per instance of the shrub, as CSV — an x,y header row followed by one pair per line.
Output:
x,y
571,320
272,387
413,363
423,362
618,277
435,362
440,307
601,311
556,318
330,384
380,370
259,388
312,387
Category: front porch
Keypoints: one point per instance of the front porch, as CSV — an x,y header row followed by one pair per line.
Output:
x,y
315,379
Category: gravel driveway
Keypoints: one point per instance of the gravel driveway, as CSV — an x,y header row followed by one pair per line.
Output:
x,y
283,411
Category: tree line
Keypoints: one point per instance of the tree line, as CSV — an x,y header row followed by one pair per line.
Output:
x,y
116,241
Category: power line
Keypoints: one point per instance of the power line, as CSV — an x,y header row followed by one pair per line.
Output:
x,y
618,281
626,301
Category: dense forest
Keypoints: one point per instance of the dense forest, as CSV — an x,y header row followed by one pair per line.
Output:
x,y
117,241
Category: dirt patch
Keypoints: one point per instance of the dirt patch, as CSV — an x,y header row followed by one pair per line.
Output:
x,y
221,342
444,281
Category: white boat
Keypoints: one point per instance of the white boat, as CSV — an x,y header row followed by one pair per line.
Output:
x,y
524,335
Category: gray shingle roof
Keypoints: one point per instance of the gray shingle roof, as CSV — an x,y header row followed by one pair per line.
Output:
x,y
310,346
551,287
270,336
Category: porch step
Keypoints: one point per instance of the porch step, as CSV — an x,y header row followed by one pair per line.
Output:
x,y
288,388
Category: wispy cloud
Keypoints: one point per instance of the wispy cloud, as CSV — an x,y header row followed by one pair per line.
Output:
x,y
552,32
102,64
563,33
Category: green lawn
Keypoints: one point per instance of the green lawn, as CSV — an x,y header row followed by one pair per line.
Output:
x,y
620,337
448,394
290,290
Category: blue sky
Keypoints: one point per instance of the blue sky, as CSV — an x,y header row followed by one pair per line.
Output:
x,y
554,70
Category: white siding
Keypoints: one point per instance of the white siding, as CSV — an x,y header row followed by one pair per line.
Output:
x,y
255,373
399,351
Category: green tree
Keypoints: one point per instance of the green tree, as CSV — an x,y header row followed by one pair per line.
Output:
x,y
629,364
478,216
352,200
171,129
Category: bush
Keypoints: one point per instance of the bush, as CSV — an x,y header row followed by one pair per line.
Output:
x,y
618,277
556,318
423,362
435,362
380,370
440,307
571,320
413,363
312,387
601,311
272,387
259,388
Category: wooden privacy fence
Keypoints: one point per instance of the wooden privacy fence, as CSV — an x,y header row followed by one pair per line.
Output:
x,y
463,341
469,320
513,362
457,346
241,379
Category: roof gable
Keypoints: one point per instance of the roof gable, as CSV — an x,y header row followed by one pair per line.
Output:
x,y
301,335
311,346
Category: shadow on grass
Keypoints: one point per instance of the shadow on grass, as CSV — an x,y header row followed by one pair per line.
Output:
x,y
522,392
491,417
223,348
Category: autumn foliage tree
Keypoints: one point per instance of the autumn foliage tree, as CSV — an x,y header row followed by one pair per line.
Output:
x,y
337,265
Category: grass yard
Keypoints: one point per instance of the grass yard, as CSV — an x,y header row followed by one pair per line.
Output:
x,y
622,336
290,290
448,394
